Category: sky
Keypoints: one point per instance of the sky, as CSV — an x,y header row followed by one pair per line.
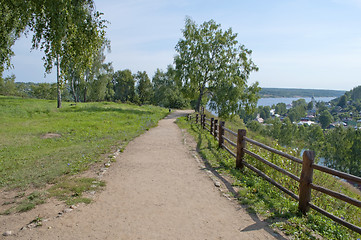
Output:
x,y
312,44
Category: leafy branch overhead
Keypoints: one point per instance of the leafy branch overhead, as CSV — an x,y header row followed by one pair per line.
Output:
x,y
212,64
72,29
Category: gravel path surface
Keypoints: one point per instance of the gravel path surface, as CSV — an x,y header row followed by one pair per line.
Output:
x,y
155,190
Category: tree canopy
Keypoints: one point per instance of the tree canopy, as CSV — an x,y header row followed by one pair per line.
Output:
x,y
167,91
325,118
212,64
144,87
69,32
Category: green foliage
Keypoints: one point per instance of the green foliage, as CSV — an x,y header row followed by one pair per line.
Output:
x,y
144,88
44,91
342,150
310,106
300,102
264,112
167,93
281,108
356,93
8,86
298,110
212,64
15,16
314,139
124,86
343,101
96,84
85,131
286,132
325,119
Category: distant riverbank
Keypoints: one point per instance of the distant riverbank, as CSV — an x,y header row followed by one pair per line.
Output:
x,y
271,101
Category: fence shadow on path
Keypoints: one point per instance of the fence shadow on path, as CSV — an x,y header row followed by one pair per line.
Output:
x,y
259,224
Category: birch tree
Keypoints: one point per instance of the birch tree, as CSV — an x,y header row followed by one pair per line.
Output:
x,y
211,63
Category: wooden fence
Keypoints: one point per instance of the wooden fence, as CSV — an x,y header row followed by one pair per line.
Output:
x,y
218,129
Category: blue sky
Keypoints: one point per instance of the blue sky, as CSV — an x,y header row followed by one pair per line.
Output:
x,y
295,43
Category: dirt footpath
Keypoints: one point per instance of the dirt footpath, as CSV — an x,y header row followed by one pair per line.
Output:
x,y
155,190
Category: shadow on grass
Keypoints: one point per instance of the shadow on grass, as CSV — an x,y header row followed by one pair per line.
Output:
x,y
107,109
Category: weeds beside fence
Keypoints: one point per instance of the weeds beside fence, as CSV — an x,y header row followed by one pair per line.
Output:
x,y
238,149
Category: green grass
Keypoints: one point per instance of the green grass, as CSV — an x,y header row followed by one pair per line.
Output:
x,y
71,190
86,131
277,208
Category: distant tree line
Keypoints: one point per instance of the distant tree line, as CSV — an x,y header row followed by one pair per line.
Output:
x,y
294,92
120,86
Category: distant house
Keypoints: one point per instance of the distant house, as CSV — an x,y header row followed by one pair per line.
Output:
x,y
309,123
332,125
259,119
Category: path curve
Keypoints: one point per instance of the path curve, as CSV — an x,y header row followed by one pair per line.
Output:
x,y
156,190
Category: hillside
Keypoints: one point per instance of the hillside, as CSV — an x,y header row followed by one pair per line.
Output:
x,y
295,92
354,95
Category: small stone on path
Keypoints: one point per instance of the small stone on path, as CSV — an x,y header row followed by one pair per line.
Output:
x,y
217,184
7,233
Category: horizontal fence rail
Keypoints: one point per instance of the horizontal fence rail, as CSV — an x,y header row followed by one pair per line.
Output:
x,y
217,129
230,131
336,173
274,166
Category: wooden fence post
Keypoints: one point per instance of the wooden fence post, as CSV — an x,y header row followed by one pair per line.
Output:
x,y
305,181
215,128
220,133
241,144
212,125
197,118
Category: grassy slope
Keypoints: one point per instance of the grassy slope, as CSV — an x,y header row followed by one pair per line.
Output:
x,y
87,130
271,203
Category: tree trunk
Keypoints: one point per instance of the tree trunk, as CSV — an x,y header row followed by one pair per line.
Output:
x,y
58,82
85,85
73,90
84,97
198,105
